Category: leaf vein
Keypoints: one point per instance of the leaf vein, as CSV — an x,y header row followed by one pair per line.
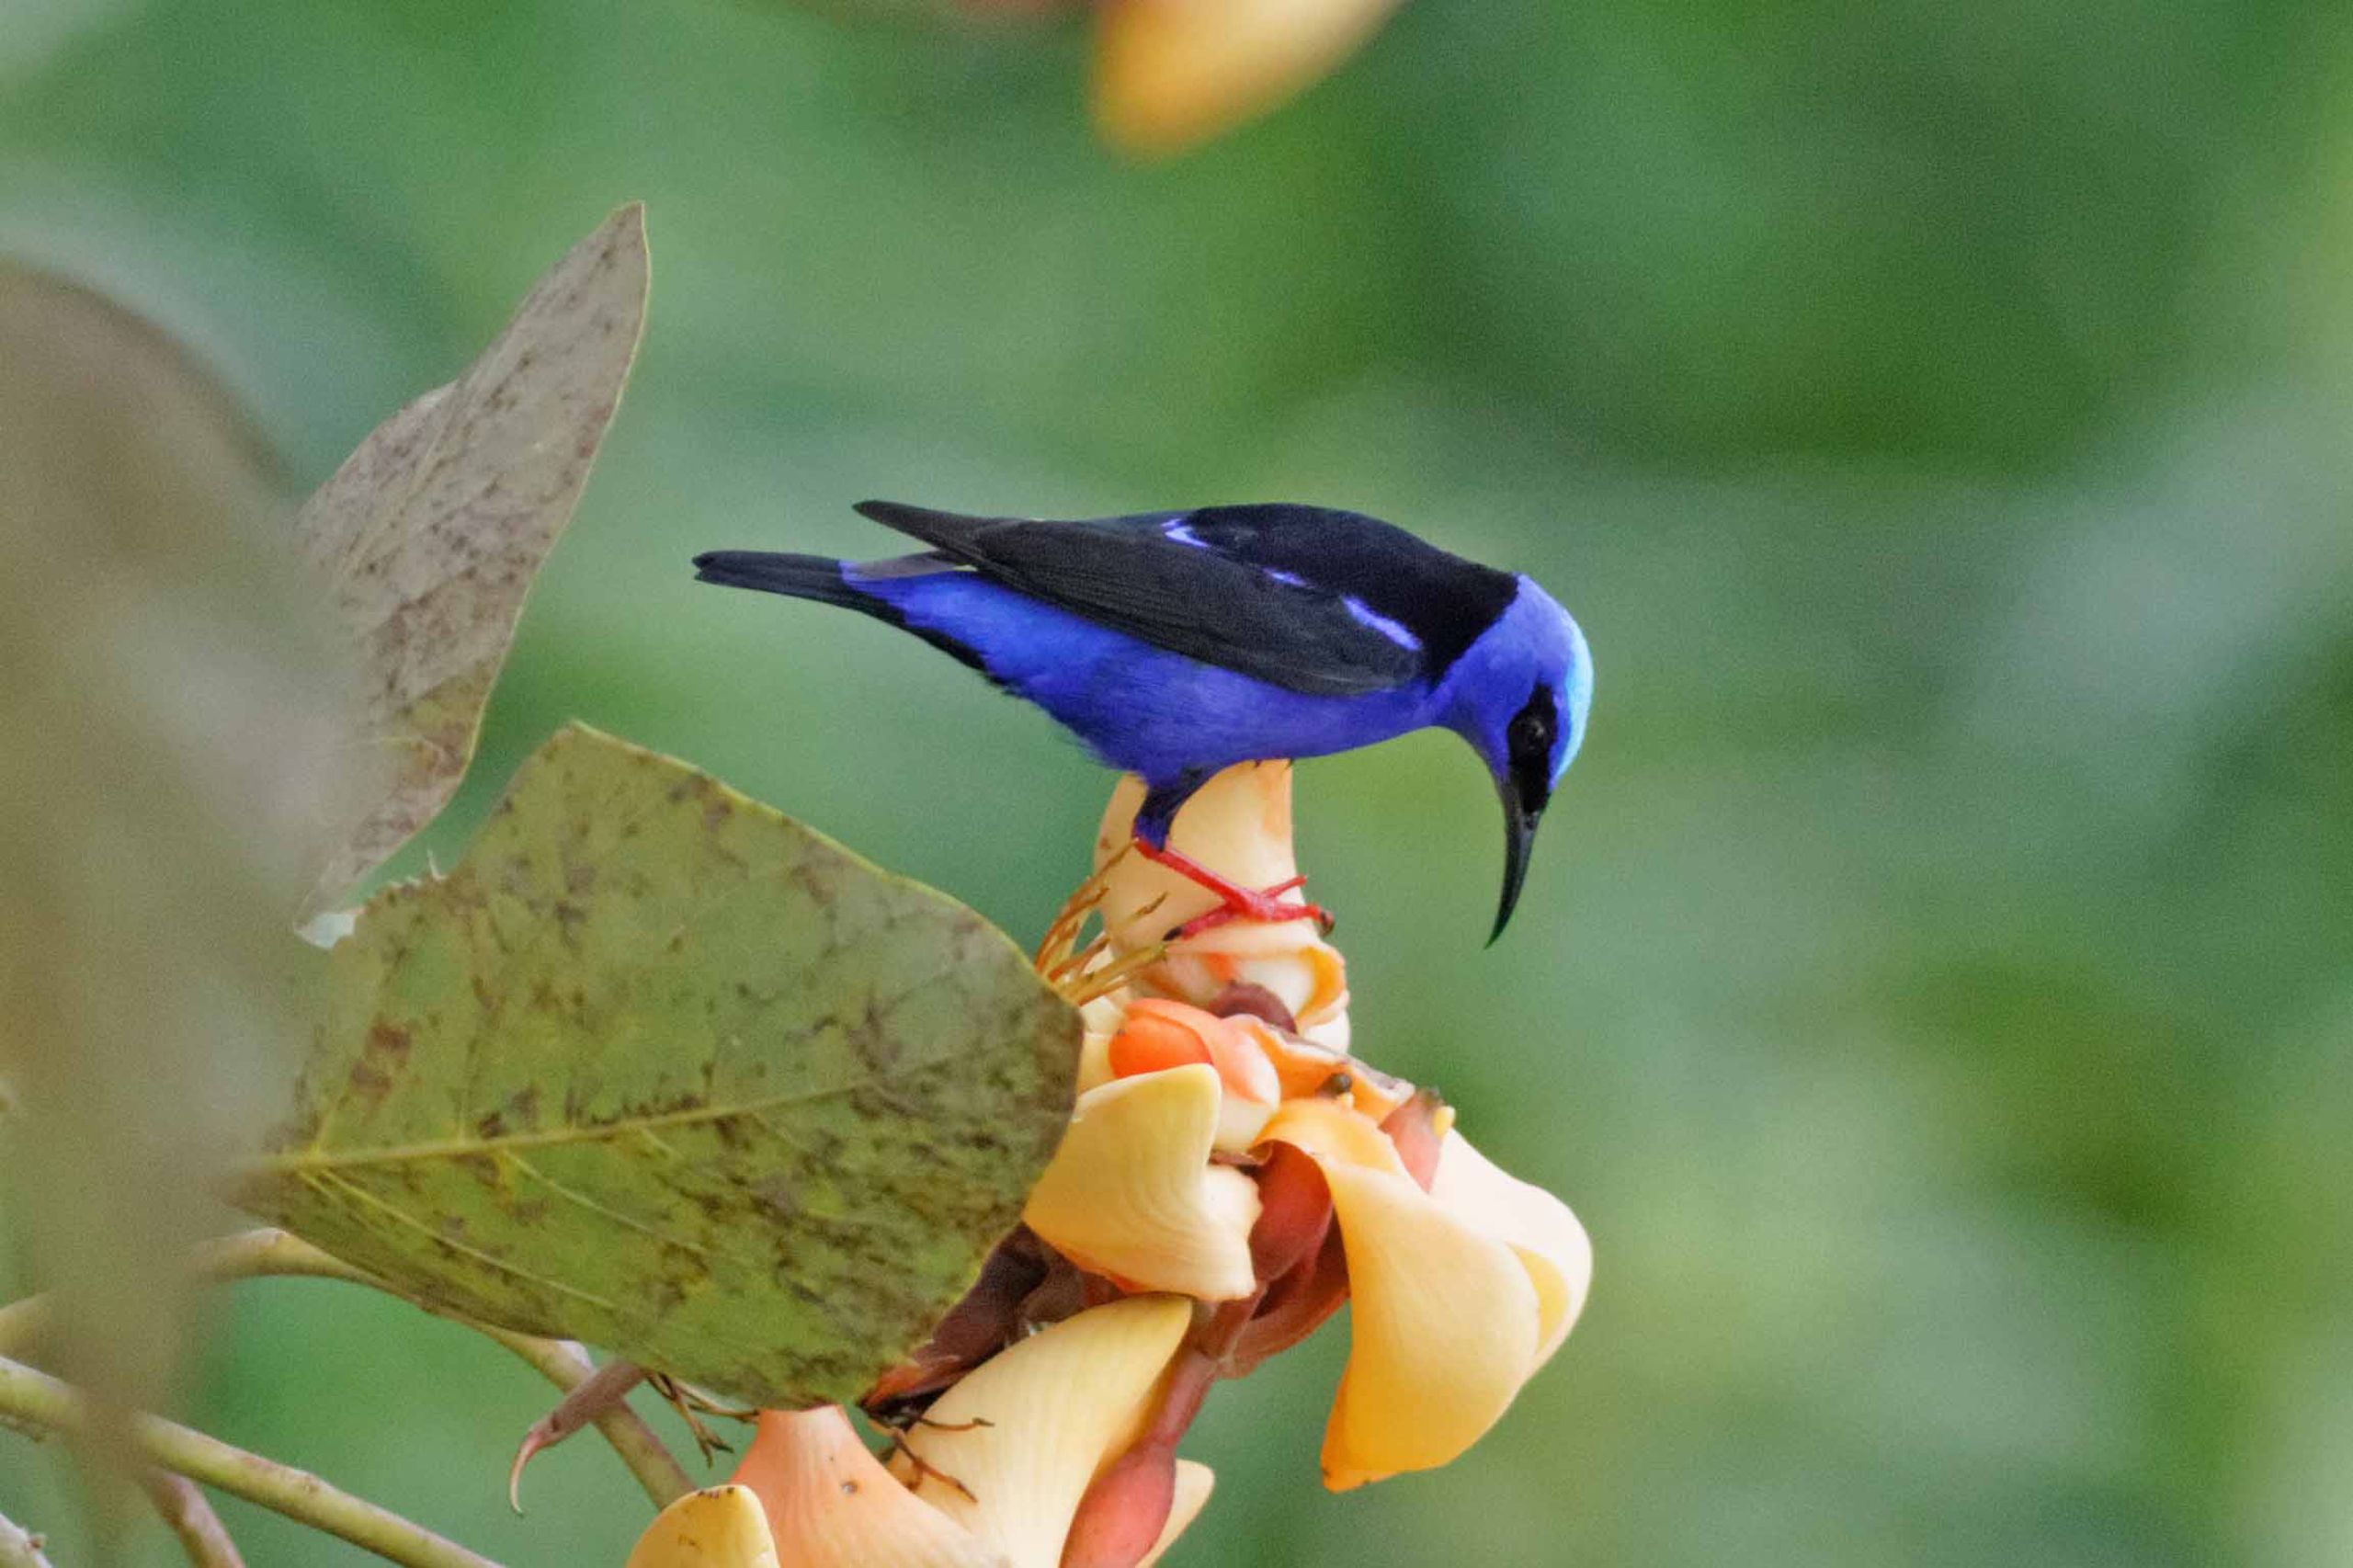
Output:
x,y
317,1159
317,1181
573,1195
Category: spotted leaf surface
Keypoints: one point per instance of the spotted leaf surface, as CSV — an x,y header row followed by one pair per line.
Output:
x,y
430,534
660,1069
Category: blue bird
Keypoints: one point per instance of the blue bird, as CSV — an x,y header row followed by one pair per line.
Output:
x,y
1175,645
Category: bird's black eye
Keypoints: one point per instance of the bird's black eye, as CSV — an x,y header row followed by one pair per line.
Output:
x,y
1532,727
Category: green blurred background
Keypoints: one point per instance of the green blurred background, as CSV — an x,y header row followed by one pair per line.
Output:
x,y
1936,985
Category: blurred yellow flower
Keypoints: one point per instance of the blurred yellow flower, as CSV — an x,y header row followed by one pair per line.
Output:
x,y
1172,73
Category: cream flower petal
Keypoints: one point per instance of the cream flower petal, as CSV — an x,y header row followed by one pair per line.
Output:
x,y
1238,824
720,1527
1101,1015
1057,1406
1193,1485
832,1504
1305,972
1331,1031
1170,73
1444,1322
1131,1193
1537,1225
1095,1057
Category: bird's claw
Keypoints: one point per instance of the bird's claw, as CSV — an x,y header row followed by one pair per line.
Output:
x,y
1262,904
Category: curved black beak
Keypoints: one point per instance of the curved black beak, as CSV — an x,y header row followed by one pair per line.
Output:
x,y
1522,815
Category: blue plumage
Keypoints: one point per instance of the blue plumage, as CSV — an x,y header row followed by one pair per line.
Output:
x,y
1176,644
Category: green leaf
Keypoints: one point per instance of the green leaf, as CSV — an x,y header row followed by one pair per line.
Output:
x,y
430,534
658,1068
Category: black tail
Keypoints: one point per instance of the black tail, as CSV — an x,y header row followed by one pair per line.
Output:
x,y
819,577
802,576
949,531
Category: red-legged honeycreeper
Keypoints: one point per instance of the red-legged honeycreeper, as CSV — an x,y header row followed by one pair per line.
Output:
x,y
1176,644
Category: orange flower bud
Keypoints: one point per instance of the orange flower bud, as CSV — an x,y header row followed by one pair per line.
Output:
x,y
1157,1035
1160,1034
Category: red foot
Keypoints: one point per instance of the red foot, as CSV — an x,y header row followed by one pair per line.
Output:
x,y
1264,904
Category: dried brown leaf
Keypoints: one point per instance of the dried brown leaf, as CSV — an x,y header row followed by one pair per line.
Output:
x,y
429,535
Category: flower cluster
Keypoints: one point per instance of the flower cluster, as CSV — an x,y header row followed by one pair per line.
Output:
x,y
1230,1177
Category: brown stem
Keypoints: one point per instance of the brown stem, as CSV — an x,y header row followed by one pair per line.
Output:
x,y
40,1400
598,1395
567,1365
1121,1517
189,1517
276,1254
984,1321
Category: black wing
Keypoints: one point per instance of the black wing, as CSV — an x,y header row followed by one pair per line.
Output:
x,y
1318,601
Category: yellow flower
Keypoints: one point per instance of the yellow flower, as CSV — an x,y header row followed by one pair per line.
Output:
x,y
1461,1285
1131,1193
1463,1281
720,1527
1457,1294
1008,1457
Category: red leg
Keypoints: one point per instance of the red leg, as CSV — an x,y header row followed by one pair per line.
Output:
x,y
1240,903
